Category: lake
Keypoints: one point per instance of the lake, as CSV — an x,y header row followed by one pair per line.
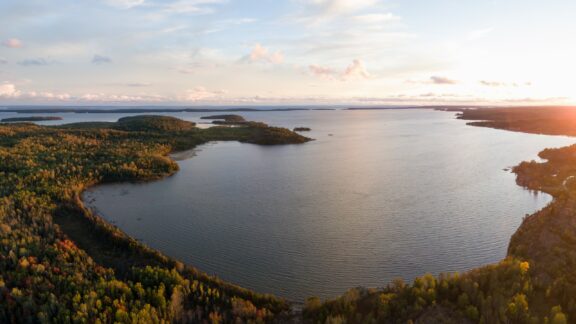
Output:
x,y
379,195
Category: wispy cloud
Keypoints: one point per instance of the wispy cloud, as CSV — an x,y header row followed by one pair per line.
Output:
x,y
190,6
504,84
35,62
138,84
12,43
442,80
201,93
322,72
316,11
100,59
124,4
355,70
376,18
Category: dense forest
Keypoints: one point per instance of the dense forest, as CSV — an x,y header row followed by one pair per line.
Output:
x,y
60,263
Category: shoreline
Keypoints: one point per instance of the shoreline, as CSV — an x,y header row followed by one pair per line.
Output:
x,y
186,154
541,252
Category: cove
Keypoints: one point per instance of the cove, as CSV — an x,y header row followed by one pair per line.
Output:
x,y
378,195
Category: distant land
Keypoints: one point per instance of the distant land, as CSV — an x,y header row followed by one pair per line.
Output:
x,y
535,120
29,119
470,114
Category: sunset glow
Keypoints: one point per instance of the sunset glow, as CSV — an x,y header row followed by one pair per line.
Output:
x,y
231,52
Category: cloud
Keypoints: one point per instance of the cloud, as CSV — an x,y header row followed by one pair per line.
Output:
x,y
191,6
35,62
260,53
375,18
325,9
138,84
99,59
322,72
8,90
124,4
3,60
201,93
12,43
504,84
442,80
356,70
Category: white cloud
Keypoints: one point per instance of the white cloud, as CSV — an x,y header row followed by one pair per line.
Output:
x,y
8,90
260,53
201,93
355,70
12,43
3,60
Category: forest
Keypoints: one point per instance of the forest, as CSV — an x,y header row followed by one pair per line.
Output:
x,y
60,263
537,120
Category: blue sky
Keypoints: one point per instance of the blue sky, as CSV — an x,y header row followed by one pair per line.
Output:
x,y
187,52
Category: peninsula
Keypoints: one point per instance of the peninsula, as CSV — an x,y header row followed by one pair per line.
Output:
x,y
62,263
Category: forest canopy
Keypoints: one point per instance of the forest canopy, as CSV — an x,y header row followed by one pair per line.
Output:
x,y
61,263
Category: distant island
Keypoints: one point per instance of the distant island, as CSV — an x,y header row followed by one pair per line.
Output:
x,y
29,119
226,119
302,129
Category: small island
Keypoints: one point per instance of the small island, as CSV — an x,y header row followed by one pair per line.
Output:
x,y
226,119
302,129
29,119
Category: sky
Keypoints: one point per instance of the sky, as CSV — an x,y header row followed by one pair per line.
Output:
x,y
292,52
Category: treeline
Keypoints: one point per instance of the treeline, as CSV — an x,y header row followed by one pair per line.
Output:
x,y
536,283
536,120
46,274
501,293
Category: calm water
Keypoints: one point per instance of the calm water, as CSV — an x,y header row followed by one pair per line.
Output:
x,y
389,194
